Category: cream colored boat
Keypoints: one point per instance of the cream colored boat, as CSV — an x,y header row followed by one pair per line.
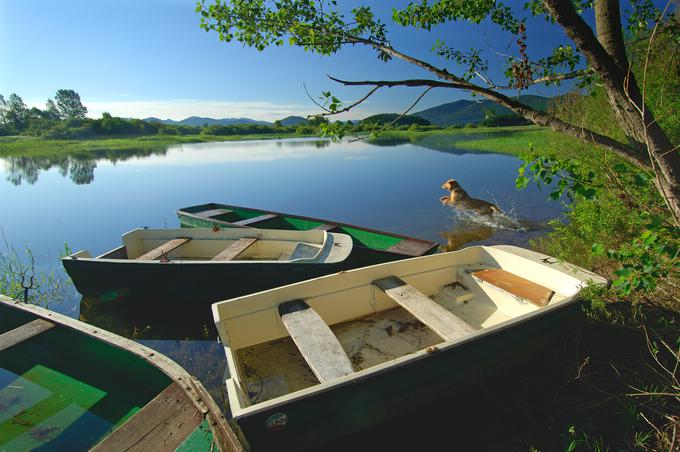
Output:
x,y
206,264
325,357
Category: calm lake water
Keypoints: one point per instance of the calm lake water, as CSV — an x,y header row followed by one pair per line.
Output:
x,y
88,200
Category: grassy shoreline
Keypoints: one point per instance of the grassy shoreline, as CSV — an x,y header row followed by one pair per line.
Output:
x,y
506,140
513,140
34,146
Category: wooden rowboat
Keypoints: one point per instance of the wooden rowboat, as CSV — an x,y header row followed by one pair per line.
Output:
x,y
315,360
66,385
206,264
370,246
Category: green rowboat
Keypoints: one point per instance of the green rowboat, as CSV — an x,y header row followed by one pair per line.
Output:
x,y
66,385
370,246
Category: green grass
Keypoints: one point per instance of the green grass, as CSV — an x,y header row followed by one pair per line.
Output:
x,y
33,146
504,140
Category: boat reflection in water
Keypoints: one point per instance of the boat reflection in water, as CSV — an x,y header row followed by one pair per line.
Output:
x,y
187,336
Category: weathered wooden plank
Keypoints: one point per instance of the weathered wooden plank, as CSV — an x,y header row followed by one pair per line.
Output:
x,y
162,424
212,213
225,437
443,322
410,247
235,249
163,249
23,333
315,340
249,221
325,227
516,285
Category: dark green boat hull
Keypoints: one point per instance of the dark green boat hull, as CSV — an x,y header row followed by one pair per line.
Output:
x,y
194,282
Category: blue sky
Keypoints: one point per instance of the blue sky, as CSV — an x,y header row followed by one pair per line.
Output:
x,y
137,58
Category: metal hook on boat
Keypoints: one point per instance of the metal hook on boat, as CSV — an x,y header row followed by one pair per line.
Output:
x,y
26,287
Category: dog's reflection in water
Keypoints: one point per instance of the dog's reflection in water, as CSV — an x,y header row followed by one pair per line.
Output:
x,y
464,233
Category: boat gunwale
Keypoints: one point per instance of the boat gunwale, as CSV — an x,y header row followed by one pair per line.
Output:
x,y
181,211
192,387
325,248
575,272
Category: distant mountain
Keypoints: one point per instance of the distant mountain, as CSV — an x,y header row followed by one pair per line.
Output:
x,y
386,118
471,111
293,121
199,121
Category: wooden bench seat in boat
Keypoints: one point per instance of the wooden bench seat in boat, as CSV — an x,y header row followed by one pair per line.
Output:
x,y
443,322
410,247
23,333
212,213
325,227
515,285
315,340
249,221
165,248
235,249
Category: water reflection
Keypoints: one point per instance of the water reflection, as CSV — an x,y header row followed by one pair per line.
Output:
x,y
150,319
451,144
464,233
79,167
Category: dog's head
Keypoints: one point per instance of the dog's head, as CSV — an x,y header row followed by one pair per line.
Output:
x,y
451,185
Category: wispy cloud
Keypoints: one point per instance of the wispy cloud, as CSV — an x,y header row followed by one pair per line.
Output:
x,y
183,108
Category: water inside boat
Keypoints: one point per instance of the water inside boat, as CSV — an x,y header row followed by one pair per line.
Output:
x,y
64,390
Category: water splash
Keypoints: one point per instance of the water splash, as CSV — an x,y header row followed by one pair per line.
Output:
x,y
509,220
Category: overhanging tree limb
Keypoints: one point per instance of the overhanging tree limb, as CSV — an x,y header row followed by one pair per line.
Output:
x,y
538,117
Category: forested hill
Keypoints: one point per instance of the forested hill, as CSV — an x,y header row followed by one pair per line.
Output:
x,y
473,111
197,121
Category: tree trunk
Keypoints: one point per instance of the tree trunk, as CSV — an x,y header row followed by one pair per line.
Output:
x,y
623,91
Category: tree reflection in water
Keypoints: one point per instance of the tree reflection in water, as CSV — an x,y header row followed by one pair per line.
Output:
x,y
79,167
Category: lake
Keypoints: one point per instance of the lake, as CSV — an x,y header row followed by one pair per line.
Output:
x,y
87,200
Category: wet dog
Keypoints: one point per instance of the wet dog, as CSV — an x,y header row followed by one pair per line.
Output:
x,y
459,199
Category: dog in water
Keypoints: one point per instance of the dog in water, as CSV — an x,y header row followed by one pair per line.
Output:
x,y
459,199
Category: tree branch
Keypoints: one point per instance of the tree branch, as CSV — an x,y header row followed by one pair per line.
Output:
x,y
537,117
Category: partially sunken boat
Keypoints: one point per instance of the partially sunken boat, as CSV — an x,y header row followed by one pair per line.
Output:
x,y
315,360
66,385
370,246
206,264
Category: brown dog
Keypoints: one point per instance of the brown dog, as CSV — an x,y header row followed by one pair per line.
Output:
x,y
461,200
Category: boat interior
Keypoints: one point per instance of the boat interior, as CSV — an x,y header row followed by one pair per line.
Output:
x,y
234,216
63,390
303,335
222,245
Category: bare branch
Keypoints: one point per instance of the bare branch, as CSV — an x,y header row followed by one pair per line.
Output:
x,y
394,121
553,78
349,107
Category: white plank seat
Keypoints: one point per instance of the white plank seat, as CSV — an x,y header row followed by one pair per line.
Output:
x,y
515,285
23,333
443,322
212,213
162,250
315,340
253,220
236,248
325,227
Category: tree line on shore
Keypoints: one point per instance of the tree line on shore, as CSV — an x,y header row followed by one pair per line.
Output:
x,y
64,117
